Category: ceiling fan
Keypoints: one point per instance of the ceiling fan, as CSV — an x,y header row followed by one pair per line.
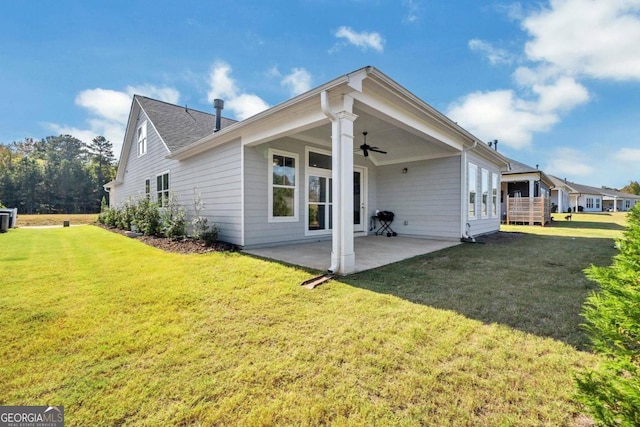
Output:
x,y
366,147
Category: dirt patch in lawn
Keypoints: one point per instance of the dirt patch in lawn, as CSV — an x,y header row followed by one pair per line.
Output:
x,y
180,246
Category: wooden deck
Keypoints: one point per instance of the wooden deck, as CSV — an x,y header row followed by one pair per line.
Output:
x,y
528,210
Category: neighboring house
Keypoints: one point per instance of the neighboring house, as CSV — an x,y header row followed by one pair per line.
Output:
x,y
297,171
583,198
560,195
525,195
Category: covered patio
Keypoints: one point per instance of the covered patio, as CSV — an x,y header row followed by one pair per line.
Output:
x,y
372,251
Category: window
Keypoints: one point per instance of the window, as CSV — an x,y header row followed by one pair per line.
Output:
x,y
597,203
147,188
485,192
589,202
162,189
472,183
142,139
319,192
283,186
627,204
494,194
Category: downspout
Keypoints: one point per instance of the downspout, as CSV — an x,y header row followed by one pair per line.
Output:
x,y
335,246
463,186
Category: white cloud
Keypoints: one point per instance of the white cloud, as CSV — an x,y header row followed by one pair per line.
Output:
x,y
628,155
562,95
109,112
223,86
298,81
570,162
494,55
363,40
108,104
413,11
585,37
501,115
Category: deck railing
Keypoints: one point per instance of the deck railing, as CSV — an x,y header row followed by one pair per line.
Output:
x,y
528,210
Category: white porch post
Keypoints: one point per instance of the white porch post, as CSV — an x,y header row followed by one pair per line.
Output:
x,y
531,195
560,197
343,253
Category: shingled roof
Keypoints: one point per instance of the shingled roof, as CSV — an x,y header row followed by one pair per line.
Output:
x,y
179,126
586,189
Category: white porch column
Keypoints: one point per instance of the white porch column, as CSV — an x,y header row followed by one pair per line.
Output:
x,y
560,197
343,253
531,195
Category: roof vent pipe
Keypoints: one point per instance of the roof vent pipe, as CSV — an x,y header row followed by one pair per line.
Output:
x,y
218,104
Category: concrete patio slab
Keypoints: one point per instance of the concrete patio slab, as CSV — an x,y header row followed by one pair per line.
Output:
x,y
371,251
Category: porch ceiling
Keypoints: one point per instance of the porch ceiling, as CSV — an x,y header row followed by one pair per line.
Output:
x,y
400,143
371,251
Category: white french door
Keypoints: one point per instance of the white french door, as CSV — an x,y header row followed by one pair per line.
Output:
x,y
319,215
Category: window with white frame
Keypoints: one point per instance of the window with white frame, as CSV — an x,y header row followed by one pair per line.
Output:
x,y
598,203
494,194
142,138
319,191
485,192
472,186
283,186
627,204
147,188
162,189
589,203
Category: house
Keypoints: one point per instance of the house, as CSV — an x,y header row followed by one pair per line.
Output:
x,y
584,198
308,168
525,195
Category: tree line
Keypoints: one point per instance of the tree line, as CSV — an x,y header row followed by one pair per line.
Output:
x,y
57,174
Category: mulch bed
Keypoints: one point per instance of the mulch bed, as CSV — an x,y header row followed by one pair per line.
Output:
x,y
180,246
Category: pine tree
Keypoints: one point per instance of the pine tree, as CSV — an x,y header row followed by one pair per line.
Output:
x,y
612,392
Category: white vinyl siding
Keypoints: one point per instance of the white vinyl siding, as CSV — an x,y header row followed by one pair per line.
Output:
x,y
425,200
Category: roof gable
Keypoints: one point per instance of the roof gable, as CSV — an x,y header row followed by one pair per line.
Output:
x,y
179,126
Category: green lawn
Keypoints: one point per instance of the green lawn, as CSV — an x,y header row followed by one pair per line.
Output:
x,y
124,334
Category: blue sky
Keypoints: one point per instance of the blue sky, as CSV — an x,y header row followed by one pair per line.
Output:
x,y
556,82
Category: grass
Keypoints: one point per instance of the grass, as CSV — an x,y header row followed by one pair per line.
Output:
x,y
124,334
55,219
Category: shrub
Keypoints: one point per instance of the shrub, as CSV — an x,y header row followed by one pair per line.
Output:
x,y
147,217
173,218
612,391
125,215
210,236
108,216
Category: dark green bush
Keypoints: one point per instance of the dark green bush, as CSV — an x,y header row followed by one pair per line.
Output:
x,y
210,236
173,218
147,217
612,392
